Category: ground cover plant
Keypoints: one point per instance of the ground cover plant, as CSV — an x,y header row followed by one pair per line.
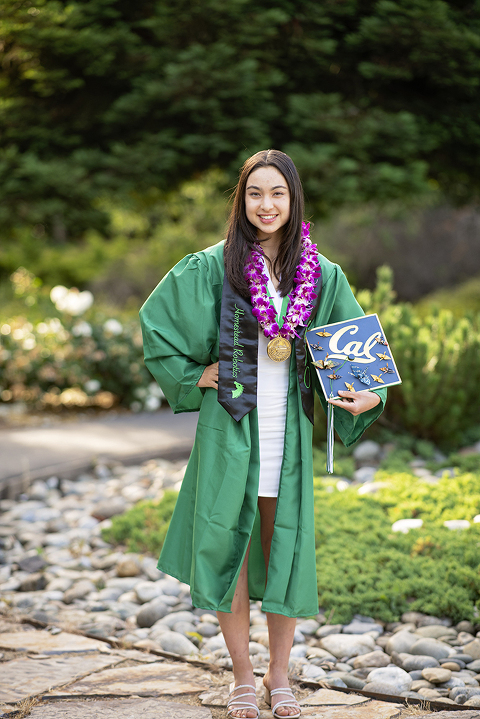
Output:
x,y
363,566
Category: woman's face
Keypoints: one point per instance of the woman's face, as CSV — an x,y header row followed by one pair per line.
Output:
x,y
267,202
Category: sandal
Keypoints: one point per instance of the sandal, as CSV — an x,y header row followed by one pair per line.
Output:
x,y
291,703
237,703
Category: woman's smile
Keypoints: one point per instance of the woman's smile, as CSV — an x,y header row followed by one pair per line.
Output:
x,y
267,202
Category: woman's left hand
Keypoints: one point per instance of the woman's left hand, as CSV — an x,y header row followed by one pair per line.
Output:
x,y
356,402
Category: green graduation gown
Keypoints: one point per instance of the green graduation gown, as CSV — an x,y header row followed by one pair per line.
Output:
x,y
216,512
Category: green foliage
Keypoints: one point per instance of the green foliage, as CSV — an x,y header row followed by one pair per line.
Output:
x,y
103,97
437,358
364,567
148,235
143,528
451,498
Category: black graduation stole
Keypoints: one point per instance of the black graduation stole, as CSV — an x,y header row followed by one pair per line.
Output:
x,y
238,355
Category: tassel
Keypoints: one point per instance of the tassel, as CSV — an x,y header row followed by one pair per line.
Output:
x,y
330,437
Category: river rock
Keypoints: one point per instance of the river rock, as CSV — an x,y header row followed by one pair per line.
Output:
x,y
453,666
299,651
456,524
78,591
381,688
146,591
393,676
351,681
59,584
126,584
473,666
255,648
462,694
460,657
430,647
434,631
149,567
357,627
465,626
473,702
401,642
421,684
372,659
464,638
364,474
473,649
336,682
176,643
107,508
173,618
183,628
347,645
206,629
108,594
367,451
214,643
310,671
426,693
170,587
157,630
414,662
308,626
405,525
328,629
436,675
428,619
33,582
129,566
32,564
151,612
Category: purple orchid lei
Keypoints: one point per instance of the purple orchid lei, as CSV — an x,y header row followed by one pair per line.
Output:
x,y
302,297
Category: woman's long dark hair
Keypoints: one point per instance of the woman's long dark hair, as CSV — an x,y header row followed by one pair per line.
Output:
x,y
242,235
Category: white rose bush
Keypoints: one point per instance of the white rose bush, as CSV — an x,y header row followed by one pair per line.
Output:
x,y
79,356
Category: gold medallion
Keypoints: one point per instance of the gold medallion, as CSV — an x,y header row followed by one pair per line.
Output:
x,y
279,349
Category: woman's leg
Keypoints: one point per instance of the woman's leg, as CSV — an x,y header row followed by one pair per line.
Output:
x,y
280,628
236,630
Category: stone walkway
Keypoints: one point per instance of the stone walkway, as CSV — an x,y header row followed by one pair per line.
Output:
x,y
87,629
66,675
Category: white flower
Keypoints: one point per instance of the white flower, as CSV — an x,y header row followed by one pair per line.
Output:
x,y
140,392
152,403
29,343
92,385
71,301
113,327
82,329
58,293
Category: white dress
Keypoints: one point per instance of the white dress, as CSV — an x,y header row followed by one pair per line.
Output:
x,y
272,388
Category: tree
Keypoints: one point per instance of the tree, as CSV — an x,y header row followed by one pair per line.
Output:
x,y
373,99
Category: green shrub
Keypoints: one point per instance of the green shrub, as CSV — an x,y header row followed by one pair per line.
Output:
x,y
437,358
364,567
78,356
143,528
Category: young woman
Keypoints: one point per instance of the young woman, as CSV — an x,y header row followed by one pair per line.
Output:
x,y
224,334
